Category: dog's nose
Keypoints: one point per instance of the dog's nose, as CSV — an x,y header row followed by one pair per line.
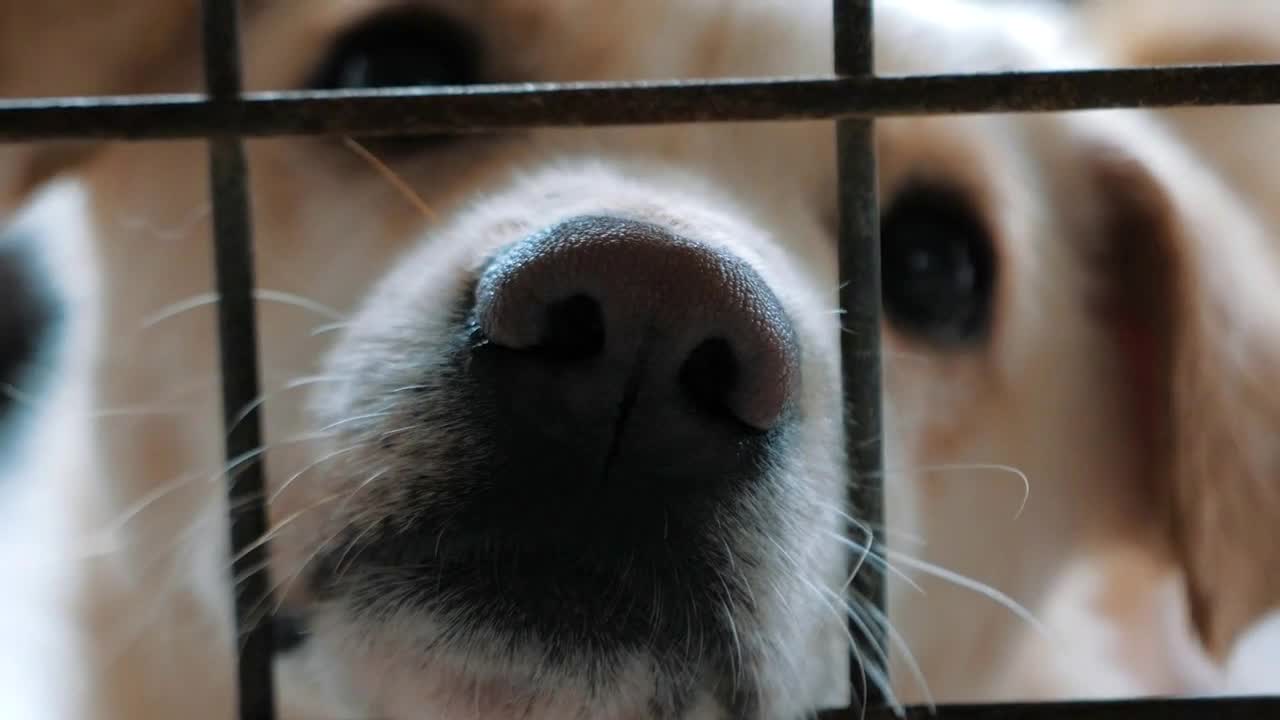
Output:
x,y
625,325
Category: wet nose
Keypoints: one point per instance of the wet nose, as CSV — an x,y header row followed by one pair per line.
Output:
x,y
615,318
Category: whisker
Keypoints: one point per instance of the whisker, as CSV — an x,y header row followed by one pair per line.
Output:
x,y
886,473
957,467
328,328
869,540
895,637
1000,598
179,231
865,669
253,618
738,660
233,466
240,578
881,652
323,459
363,484
875,558
391,177
880,678
281,588
162,408
139,506
179,308
287,298
263,609
261,294
288,583
887,531
150,498
355,418
159,589
411,388
294,384
31,402
277,528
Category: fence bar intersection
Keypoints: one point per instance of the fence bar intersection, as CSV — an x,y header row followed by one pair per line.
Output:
x,y
238,347
859,288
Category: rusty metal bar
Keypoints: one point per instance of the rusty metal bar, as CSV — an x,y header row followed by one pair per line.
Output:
x,y
1142,709
497,107
238,345
859,265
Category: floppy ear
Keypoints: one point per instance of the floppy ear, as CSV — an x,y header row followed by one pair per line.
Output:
x,y
51,48
1194,291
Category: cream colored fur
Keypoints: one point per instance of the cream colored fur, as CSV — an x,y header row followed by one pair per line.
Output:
x,y
1087,210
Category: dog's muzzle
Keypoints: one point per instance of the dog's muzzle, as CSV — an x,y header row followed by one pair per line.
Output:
x,y
629,389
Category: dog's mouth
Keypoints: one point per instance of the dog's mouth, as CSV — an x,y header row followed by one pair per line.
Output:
x,y
573,591
575,612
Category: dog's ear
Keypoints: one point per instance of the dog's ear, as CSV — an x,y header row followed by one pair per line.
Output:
x,y
1193,291
55,48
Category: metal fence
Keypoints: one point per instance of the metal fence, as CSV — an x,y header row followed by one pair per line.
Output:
x,y
853,97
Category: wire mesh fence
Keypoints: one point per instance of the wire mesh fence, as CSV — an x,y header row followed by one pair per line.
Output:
x,y
853,97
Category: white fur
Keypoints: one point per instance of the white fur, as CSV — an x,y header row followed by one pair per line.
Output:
x,y
39,494
1254,666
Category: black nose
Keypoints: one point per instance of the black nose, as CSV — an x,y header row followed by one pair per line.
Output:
x,y
617,311
639,352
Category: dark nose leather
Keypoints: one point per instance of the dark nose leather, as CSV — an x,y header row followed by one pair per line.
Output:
x,y
618,311
634,377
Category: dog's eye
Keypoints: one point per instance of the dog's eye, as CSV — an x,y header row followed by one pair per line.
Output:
x,y
938,266
403,48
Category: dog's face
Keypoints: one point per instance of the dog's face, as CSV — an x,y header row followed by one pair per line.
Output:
x,y
573,442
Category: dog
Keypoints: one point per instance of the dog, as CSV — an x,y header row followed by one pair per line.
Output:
x,y
553,417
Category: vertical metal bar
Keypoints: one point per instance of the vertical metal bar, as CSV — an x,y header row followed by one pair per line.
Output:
x,y
238,341
859,258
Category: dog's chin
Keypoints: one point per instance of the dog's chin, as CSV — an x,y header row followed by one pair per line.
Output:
x,y
615,619
421,664
392,685
563,619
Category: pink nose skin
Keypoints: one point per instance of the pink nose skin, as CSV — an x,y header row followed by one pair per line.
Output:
x,y
624,315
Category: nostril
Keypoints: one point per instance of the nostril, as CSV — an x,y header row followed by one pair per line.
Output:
x,y
603,308
709,375
574,329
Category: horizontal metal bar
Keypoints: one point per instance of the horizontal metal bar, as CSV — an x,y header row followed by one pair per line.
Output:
x,y
496,107
1145,709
